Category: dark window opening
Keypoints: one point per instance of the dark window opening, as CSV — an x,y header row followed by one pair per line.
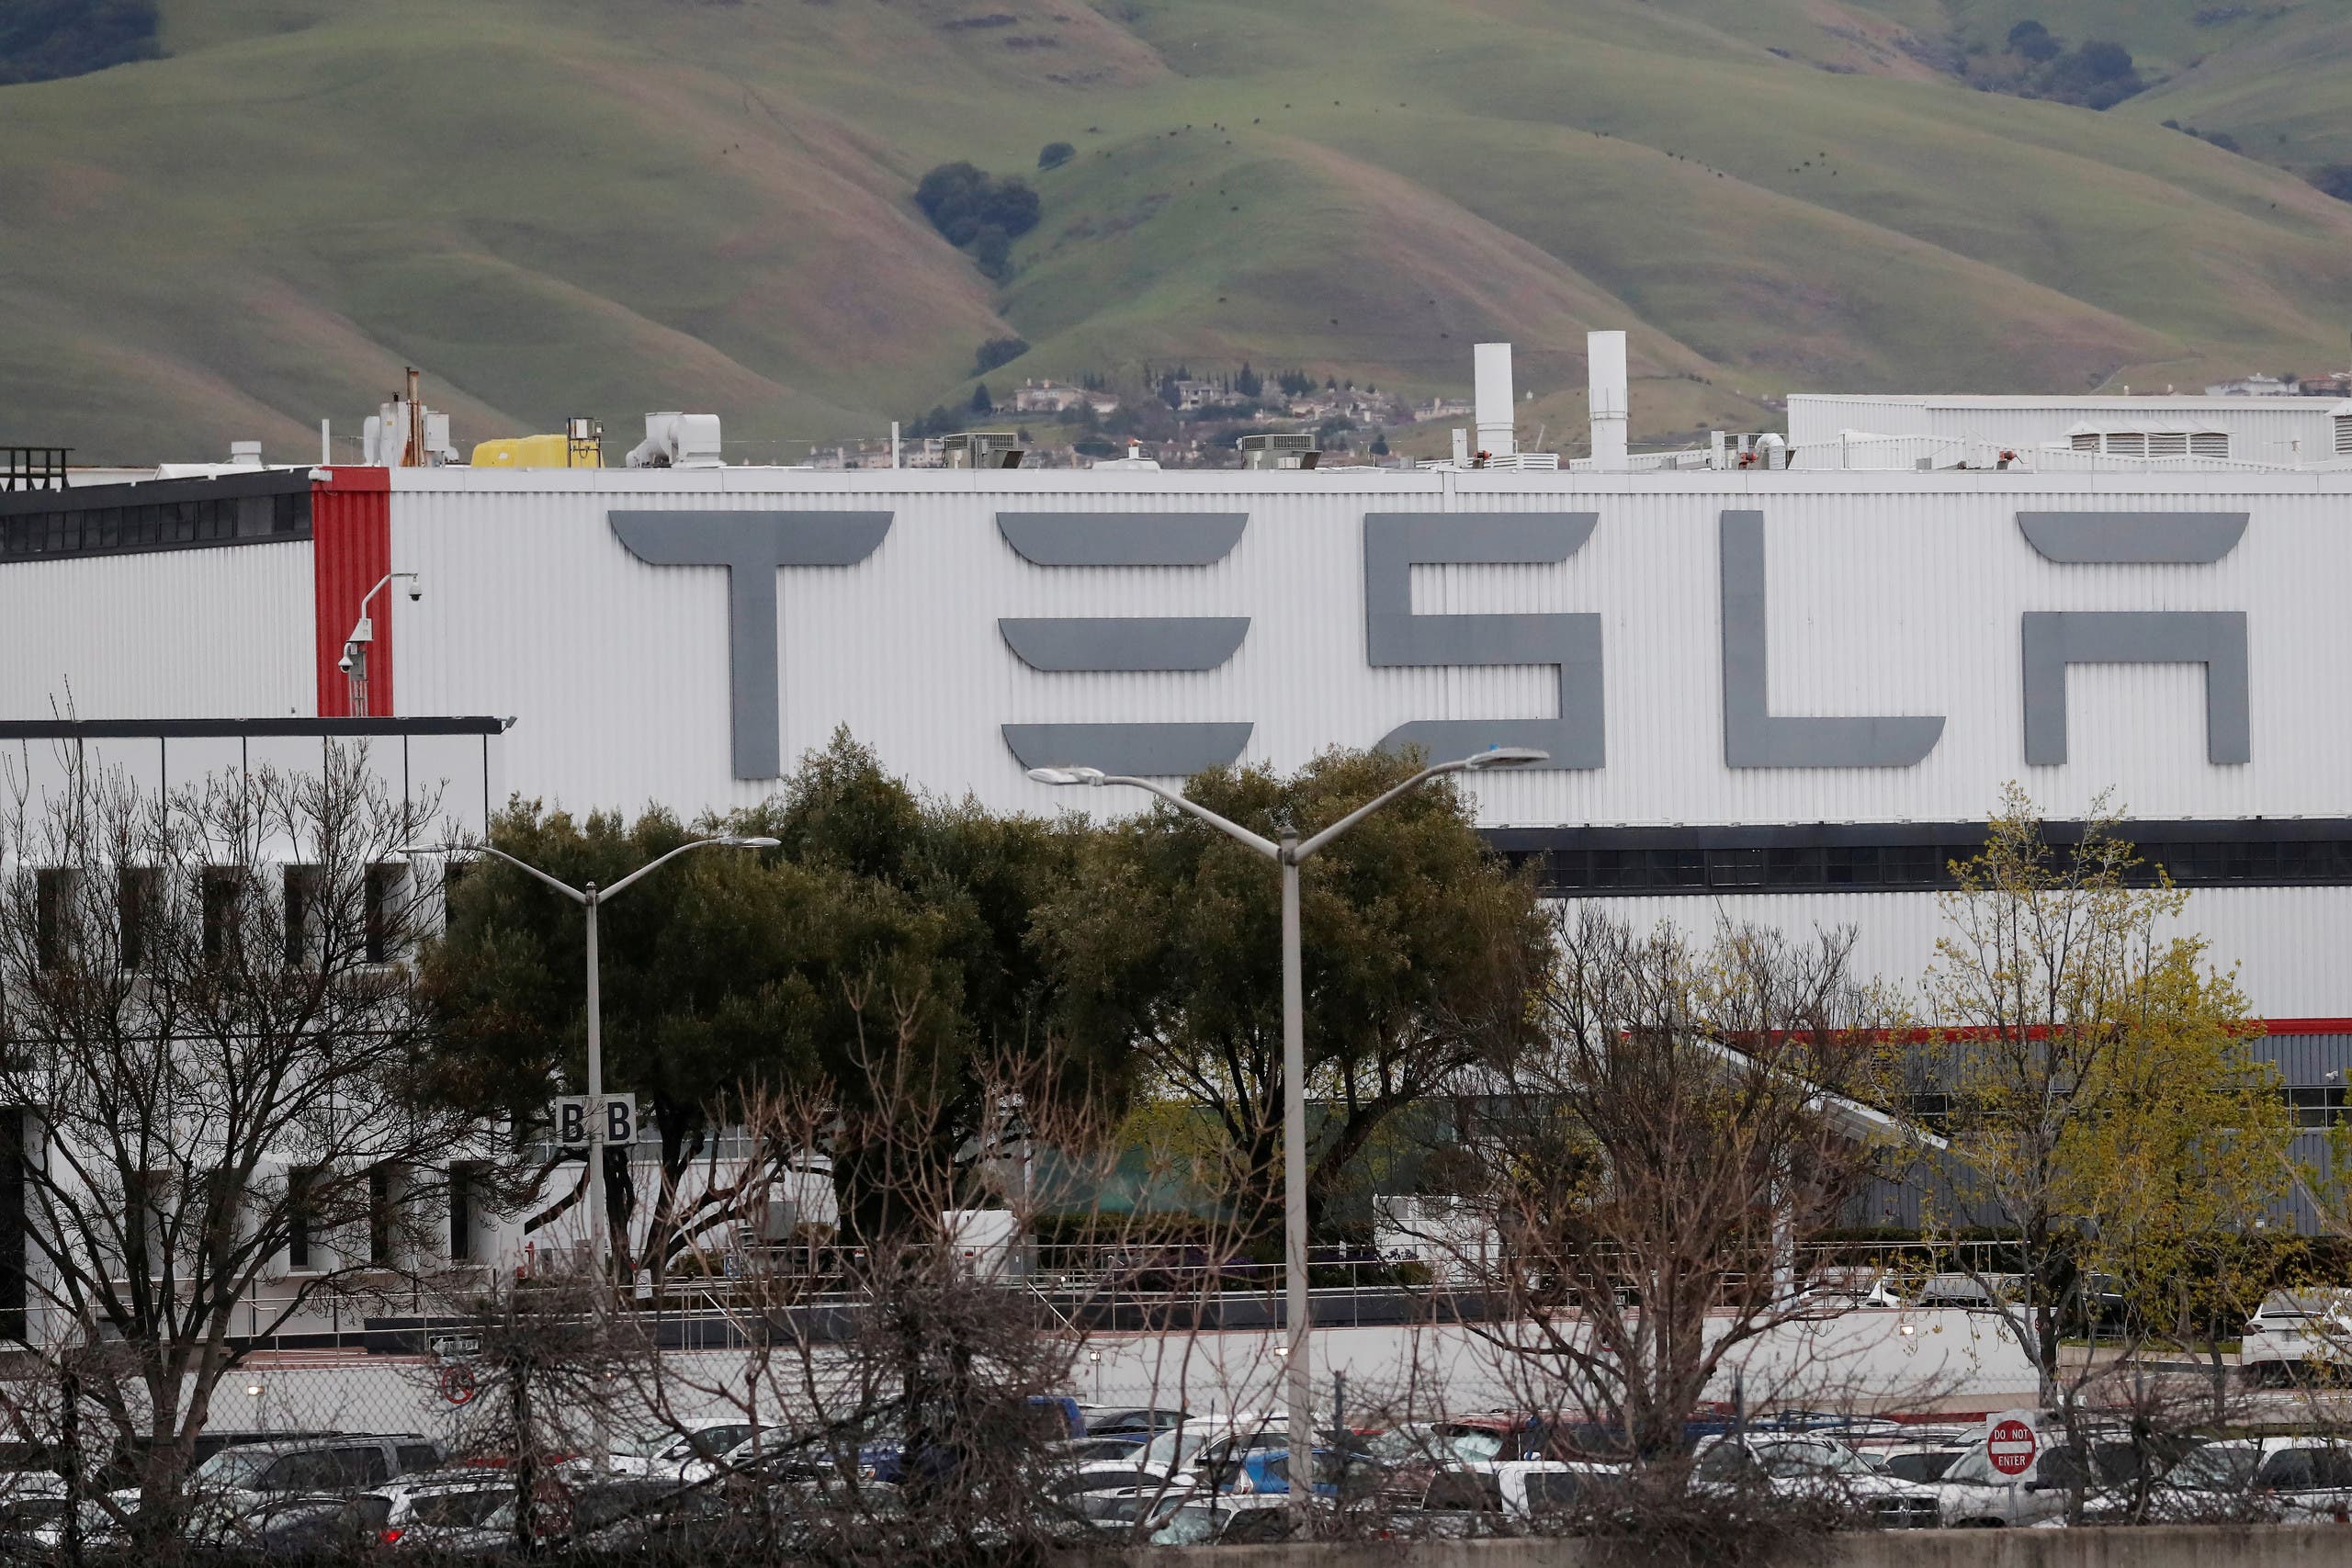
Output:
x,y
123,519
385,917
220,888
380,1214
462,1179
301,1219
2317,1106
137,899
304,886
51,913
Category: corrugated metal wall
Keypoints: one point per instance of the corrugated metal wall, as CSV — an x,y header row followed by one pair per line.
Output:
x,y
2285,944
1888,596
2261,429
218,632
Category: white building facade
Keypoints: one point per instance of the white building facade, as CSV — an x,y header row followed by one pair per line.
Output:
x,y
1785,694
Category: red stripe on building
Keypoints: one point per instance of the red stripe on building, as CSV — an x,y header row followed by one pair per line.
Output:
x,y
351,550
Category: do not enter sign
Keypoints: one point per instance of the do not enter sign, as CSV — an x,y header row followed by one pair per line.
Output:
x,y
2011,1445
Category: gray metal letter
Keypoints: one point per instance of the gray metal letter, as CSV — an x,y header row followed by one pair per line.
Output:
x,y
1140,642
2215,638
1753,738
1395,542
751,546
2133,538
2055,638
1147,751
1122,538
1079,643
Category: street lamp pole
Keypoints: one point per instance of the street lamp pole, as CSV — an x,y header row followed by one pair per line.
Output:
x,y
1290,854
591,898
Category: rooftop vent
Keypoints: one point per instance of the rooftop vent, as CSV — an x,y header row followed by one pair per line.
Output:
x,y
2343,413
1748,449
983,450
676,441
1280,449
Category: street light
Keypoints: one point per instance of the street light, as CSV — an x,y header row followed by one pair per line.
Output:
x,y
1290,853
590,898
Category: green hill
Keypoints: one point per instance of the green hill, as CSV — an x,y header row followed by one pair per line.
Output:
x,y
608,206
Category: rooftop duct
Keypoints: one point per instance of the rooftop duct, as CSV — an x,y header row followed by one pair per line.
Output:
x,y
1605,383
1496,412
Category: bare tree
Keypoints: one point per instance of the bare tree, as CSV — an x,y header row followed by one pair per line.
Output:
x,y
210,1037
1654,1168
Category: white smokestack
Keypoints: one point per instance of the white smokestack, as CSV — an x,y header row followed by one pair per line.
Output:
x,y
1497,416
1605,372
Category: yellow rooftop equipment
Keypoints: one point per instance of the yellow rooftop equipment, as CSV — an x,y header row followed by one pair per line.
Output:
x,y
581,447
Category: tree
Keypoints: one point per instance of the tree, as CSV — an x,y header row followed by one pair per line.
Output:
x,y
997,351
1054,154
2102,1103
214,1035
993,250
2335,180
981,402
1419,947
43,40
1688,1120
1249,383
2032,40
885,942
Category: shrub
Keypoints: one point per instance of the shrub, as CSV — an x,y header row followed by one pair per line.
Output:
x,y
1054,154
997,351
42,41
2335,180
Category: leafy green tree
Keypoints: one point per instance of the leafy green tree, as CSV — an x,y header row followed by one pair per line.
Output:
x,y
2105,1104
981,402
1419,953
43,40
997,351
1054,154
885,941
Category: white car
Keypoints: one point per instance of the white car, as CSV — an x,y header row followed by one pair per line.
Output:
x,y
681,1452
1810,1467
2293,1332
1535,1489
1976,1496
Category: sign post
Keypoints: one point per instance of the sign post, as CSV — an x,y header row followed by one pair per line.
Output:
x,y
2012,1445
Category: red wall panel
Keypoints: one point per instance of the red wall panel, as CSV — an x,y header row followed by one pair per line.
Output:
x,y
351,549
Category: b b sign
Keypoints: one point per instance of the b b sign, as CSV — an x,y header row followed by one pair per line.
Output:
x,y
614,1122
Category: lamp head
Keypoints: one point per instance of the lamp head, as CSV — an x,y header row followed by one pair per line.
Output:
x,y
1066,775
740,841
1503,757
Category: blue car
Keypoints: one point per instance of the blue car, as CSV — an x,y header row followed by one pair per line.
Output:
x,y
1266,1472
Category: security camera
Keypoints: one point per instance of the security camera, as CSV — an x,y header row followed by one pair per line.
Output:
x,y
415,588
346,662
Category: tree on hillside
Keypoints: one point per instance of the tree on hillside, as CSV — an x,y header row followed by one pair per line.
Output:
x,y
2032,40
2101,1099
219,1122
981,402
997,351
2335,180
1420,951
974,209
42,41
1054,154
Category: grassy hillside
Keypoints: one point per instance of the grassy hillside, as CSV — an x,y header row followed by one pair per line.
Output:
x,y
608,206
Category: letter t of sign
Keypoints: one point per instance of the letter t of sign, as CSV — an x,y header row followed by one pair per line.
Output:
x,y
751,546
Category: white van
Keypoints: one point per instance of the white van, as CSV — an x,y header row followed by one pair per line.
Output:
x,y
2294,1332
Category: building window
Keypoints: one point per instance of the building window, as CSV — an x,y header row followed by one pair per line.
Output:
x,y
386,913
52,915
304,887
2318,1106
302,1218
138,901
168,515
381,1215
464,1208
220,887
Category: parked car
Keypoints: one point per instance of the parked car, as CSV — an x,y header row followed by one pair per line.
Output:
x,y
2306,1480
1973,1494
1812,1468
1092,1451
1967,1291
342,1465
1534,1490
1124,1421
677,1453
2213,1483
1918,1462
1258,1470
2297,1333
1227,1521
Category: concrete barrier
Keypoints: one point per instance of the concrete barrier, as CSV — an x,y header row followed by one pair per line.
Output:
x,y
2153,1546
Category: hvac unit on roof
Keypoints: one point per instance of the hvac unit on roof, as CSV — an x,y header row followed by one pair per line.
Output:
x,y
1280,449
2343,413
982,449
